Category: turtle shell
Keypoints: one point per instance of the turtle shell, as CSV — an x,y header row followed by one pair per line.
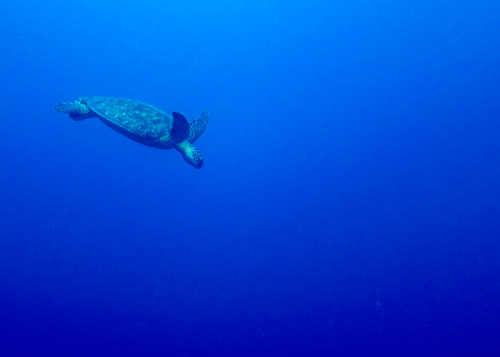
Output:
x,y
138,118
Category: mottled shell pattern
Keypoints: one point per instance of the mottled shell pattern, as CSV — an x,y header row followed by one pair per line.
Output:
x,y
139,118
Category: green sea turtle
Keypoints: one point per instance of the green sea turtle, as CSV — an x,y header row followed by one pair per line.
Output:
x,y
143,123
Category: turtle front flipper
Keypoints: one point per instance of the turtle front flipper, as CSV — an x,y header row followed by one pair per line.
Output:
x,y
77,109
197,127
194,130
180,128
190,154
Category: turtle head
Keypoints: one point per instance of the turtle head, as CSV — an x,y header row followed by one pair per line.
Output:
x,y
190,154
77,109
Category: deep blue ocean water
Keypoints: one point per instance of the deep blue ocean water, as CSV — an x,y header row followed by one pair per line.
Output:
x,y
348,205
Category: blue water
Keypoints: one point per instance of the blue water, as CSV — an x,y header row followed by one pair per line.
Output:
x,y
348,205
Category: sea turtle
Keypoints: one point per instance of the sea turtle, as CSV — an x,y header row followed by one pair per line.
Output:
x,y
143,123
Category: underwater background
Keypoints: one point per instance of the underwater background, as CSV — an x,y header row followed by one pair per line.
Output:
x,y
348,205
